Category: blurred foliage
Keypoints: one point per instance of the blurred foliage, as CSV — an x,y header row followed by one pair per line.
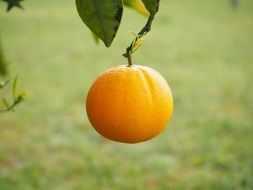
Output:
x,y
7,105
3,62
235,3
13,3
17,98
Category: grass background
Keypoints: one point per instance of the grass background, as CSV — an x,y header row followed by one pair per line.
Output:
x,y
205,51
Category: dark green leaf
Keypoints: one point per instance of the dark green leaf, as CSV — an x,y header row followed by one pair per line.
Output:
x,y
13,3
103,17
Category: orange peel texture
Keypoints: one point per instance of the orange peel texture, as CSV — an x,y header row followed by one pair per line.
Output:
x,y
129,104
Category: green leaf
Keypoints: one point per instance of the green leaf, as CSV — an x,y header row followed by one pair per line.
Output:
x,y
137,5
3,84
3,62
152,6
14,88
6,103
103,17
20,98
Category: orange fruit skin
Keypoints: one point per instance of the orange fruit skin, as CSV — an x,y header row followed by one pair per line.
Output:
x,y
129,104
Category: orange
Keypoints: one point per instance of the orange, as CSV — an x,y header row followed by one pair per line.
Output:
x,y
129,104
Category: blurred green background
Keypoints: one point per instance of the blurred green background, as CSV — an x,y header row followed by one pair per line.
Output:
x,y
205,51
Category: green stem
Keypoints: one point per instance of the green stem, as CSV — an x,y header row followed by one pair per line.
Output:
x,y
129,59
147,26
10,108
143,32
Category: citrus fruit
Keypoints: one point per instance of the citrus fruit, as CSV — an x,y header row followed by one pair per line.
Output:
x,y
129,104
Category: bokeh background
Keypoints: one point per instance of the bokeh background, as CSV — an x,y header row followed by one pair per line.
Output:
x,y
205,51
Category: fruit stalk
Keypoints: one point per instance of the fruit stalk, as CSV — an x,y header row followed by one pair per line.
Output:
x,y
129,59
142,33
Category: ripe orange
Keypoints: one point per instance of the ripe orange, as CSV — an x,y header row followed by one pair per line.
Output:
x,y
129,104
